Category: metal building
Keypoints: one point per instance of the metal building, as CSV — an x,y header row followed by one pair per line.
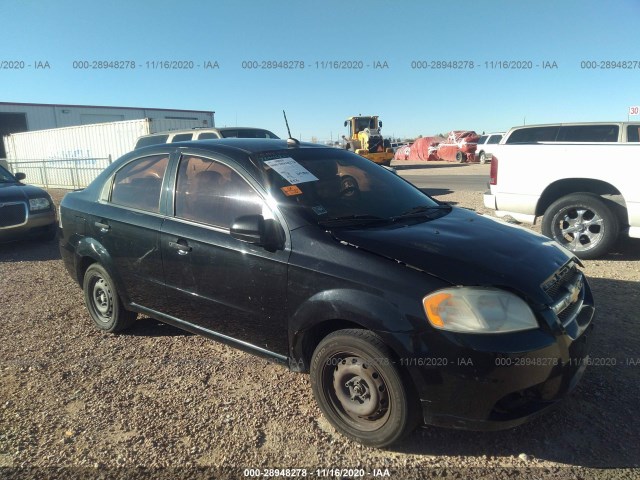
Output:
x,y
26,117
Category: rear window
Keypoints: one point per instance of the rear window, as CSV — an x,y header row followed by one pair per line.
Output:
x,y
208,136
182,137
247,133
151,140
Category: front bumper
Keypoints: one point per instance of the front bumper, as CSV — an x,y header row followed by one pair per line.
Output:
x,y
37,224
493,382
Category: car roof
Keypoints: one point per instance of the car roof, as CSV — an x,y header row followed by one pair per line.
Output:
x,y
203,129
225,145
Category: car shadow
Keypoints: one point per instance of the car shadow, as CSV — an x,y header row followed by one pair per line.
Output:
x,y
29,251
150,327
433,192
596,426
624,250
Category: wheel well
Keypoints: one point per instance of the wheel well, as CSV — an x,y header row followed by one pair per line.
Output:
x,y
568,186
314,335
85,262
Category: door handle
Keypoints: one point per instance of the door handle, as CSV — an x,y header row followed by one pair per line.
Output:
x,y
182,248
103,226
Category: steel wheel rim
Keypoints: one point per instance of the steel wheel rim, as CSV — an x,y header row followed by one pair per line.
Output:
x,y
578,228
356,391
101,299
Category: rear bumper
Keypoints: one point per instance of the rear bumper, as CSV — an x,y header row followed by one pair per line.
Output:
x,y
489,200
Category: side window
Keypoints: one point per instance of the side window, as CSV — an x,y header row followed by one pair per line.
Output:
x,y
208,136
633,133
494,139
533,135
588,133
212,193
181,137
138,183
151,140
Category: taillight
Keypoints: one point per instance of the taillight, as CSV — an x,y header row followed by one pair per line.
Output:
x,y
494,171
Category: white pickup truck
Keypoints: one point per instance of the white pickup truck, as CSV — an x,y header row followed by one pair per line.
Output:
x,y
582,178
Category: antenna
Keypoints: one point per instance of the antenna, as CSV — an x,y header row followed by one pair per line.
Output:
x,y
286,123
291,142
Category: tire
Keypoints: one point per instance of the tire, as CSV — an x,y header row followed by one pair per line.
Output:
x,y
360,364
582,223
459,157
483,158
103,302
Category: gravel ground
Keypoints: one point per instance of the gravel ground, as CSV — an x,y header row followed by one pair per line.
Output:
x,y
159,402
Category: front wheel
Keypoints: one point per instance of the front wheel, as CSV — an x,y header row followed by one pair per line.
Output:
x,y
103,302
360,390
459,157
582,223
483,158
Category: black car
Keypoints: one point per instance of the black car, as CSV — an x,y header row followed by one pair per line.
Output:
x,y
26,211
402,308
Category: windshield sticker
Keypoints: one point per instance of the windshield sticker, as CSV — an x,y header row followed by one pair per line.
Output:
x,y
291,171
291,191
319,210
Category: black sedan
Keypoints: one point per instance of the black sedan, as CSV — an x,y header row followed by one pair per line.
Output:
x,y
26,211
401,308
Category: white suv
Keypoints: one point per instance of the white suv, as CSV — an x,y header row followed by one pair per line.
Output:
x,y
484,145
202,134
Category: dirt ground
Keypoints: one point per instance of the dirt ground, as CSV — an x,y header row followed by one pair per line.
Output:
x,y
157,402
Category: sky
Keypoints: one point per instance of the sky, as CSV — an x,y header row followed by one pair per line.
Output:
x,y
580,41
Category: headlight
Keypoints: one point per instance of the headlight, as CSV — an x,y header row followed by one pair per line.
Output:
x,y
478,310
39,203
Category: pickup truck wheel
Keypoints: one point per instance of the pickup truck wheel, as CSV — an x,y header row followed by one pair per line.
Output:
x,y
582,223
359,389
483,158
459,157
103,302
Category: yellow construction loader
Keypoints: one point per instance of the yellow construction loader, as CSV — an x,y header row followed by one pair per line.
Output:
x,y
365,139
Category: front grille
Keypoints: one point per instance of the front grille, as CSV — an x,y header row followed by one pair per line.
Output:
x,y
567,275
13,214
566,291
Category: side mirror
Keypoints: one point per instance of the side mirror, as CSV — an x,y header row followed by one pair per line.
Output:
x,y
346,123
256,230
248,228
380,124
20,176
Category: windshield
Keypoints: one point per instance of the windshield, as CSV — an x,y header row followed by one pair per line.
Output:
x,y
5,176
331,184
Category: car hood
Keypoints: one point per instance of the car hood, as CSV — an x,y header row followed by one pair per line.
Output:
x,y
465,248
17,192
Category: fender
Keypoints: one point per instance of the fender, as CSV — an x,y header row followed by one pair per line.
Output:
x,y
89,247
350,306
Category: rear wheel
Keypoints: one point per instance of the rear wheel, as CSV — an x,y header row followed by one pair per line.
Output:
x,y
582,223
360,390
459,157
103,302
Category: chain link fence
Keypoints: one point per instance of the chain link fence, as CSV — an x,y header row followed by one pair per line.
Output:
x,y
69,173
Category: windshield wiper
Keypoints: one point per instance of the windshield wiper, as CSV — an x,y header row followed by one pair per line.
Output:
x,y
421,211
351,220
